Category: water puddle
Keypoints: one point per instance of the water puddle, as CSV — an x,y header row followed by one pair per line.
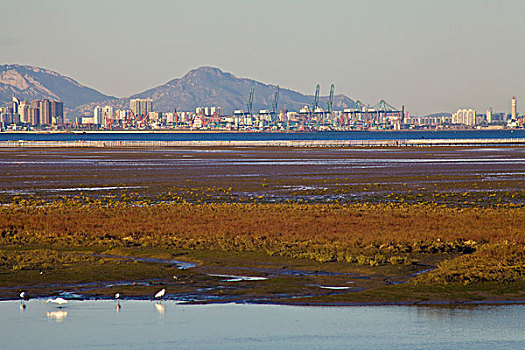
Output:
x,y
234,278
181,265
328,287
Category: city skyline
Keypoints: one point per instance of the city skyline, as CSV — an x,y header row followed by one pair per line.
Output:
x,y
430,57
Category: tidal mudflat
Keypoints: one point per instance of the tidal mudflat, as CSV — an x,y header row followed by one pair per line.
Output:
x,y
442,174
263,225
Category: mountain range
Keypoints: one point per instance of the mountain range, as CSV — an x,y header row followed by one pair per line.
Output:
x,y
28,83
204,86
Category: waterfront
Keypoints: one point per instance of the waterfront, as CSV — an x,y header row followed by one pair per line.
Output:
x,y
260,136
98,324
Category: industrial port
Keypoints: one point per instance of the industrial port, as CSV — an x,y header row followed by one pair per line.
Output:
x,y
141,115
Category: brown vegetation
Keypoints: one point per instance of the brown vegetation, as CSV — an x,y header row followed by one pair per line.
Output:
x,y
362,233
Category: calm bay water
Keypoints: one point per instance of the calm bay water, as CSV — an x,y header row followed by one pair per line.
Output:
x,y
148,325
347,135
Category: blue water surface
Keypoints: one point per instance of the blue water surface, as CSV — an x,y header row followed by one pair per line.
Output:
x,y
262,136
168,325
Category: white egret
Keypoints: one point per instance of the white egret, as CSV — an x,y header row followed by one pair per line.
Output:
x,y
58,301
117,298
160,294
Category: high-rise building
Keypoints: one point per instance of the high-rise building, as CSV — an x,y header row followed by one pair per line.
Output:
x,y
57,112
514,109
45,111
23,111
34,115
16,103
489,116
98,115
140,106
465,117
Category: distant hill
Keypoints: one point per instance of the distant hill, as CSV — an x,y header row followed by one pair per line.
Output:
x,y
209,86
204,86
28,83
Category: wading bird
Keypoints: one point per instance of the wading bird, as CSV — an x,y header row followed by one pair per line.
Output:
x,y
24,297
117,298
59,301
160,294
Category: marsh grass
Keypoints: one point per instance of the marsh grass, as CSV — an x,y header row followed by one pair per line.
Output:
x,y
366,234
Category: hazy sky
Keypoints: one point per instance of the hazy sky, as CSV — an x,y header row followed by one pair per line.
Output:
x,y
430,55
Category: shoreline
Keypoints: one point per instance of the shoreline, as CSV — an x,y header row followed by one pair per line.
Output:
x,y
398,143
426,303
189,131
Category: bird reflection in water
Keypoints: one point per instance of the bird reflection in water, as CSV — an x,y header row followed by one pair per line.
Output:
x,y
58,316
160,308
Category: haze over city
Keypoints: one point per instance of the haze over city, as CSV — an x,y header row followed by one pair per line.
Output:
x,y
430,56
241,174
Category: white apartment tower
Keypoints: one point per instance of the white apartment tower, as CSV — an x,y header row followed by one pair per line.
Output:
x,y
489,116
465,117
98,115
139,106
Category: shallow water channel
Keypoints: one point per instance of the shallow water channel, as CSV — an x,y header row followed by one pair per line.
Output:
x,y
171,325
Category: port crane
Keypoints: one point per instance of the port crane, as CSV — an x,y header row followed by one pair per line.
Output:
x,y
216,118
358,121
143,119
274,104
175,117
330,103
130,118
250,102
107,121
315,104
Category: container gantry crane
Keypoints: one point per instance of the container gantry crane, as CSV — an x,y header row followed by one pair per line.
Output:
x,y
250,102
274,104
315,104
330,101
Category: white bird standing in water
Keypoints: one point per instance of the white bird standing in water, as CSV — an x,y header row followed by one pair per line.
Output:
x,y
23,297
58,301
117,298
160,294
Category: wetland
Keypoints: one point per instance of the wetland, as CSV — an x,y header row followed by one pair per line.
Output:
x,y
265,225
